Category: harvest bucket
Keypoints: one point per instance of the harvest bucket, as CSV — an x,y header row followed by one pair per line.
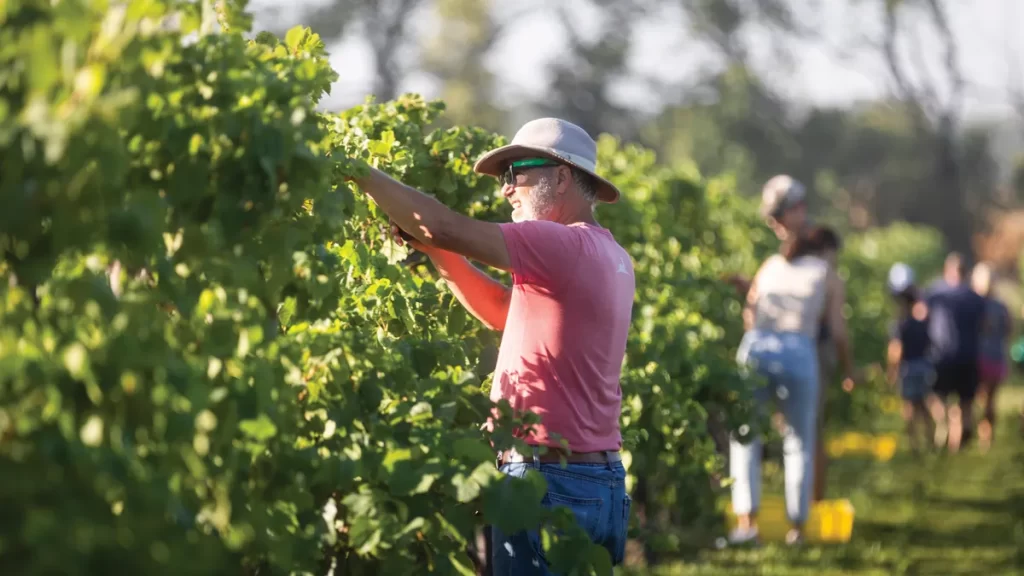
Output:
x,y
881,447
829,521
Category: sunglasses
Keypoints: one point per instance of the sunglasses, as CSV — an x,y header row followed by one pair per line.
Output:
x,y
508,177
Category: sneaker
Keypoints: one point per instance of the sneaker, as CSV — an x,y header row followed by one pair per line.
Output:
x,y
747,536
794,538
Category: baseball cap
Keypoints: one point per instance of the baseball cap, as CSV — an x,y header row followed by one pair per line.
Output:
x,y
779,193
901,278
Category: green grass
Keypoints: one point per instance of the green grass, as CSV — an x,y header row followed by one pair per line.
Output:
x,y
939,514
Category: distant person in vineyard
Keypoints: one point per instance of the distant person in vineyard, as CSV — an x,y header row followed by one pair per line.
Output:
x,y
908,362
952,275
791,294
825,243
565,318
993,348
955,314
784,207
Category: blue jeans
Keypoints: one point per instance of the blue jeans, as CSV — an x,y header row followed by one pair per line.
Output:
x,y
596,493
789,362
916,379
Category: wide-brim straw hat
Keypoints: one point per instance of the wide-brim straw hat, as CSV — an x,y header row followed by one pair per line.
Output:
x,y
556,140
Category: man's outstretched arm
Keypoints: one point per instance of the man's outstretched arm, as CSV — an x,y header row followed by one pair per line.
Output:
x,y
434,224
446,237
484,297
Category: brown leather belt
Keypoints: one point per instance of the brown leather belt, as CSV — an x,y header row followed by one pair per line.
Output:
x,y
555,455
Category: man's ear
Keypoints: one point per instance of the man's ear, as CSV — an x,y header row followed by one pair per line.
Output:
x,y
564,179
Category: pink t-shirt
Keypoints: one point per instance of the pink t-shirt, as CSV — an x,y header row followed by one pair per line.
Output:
x,y
565,336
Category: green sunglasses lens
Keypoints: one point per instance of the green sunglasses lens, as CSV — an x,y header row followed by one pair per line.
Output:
x,y
533,163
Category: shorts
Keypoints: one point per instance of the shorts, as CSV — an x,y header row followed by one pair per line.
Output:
x,y
916,379
991,370
960,379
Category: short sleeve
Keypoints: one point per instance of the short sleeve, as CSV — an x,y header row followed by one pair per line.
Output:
x,y
542,253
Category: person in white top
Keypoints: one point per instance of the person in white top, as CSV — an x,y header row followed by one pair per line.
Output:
x,y
790,296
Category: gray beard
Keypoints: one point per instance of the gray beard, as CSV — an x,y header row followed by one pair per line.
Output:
x,y
542,200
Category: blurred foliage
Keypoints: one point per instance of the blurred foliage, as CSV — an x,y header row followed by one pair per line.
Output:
x,y
864,266
210,349
453,56
1017,178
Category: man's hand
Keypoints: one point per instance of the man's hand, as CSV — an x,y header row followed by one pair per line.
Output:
x,y
403,238
851,379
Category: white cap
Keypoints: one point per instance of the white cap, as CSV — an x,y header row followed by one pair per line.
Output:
x,y
780,193
901,277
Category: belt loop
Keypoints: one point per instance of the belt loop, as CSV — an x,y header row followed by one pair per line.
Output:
x,y
536,457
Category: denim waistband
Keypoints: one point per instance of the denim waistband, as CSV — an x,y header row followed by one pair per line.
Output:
x,y
780,340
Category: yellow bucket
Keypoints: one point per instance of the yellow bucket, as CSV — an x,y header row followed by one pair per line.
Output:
x,y
829,521
881,447
885,447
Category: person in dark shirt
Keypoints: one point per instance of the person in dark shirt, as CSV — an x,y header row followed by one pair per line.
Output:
x,y
955,314
952,275
909,366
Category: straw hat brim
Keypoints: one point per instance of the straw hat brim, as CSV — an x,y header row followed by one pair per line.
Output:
x,y
496,161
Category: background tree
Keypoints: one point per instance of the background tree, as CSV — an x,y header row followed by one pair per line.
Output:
x,y
454,54
910,154
384,24
934,105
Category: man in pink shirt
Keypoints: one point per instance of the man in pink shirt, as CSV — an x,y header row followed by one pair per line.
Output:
x,y
564,320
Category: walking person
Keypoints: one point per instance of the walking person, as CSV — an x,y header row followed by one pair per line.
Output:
x,y
790,295
955,314
908,363
993,351
564,319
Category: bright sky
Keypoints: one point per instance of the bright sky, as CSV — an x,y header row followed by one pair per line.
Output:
x,y
991,52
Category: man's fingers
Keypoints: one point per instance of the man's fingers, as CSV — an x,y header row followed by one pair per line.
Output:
x,y
396,234
404,238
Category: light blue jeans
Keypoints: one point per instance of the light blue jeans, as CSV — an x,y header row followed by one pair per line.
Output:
x,y
789,363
